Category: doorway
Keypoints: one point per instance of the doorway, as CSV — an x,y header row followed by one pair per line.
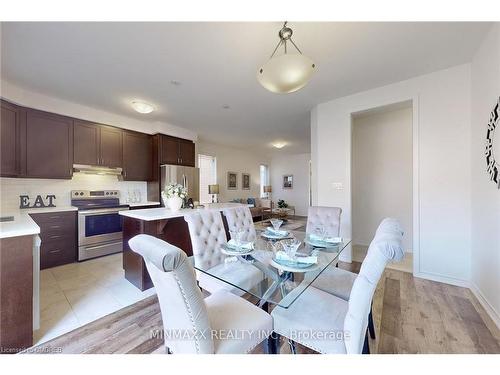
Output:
x,y
382,175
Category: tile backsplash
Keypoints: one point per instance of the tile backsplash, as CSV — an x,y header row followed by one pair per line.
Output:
x,y
12,188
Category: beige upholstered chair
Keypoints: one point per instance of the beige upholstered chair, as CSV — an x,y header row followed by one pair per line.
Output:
x,y
241,218
203,324
208,235
327,217
342,323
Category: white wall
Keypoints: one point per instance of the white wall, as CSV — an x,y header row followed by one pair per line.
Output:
x,y
441,157
42,102
231,159
11,188
298,166
485,195
381,172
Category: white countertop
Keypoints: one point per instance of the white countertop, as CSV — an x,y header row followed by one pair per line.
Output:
x,y
23,224
151,214
139,204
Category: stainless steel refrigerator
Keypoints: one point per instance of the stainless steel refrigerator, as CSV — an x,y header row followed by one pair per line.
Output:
x,y
189,177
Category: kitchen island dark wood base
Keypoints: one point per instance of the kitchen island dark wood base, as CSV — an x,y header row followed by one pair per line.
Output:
x,y
16,294
174,231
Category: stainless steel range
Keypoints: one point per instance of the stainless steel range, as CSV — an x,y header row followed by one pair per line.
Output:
x,y
99,222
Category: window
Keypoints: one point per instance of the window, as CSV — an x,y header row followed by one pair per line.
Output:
x,y
208,176
264,179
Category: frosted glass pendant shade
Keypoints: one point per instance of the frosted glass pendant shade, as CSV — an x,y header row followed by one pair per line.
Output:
x,y
286,73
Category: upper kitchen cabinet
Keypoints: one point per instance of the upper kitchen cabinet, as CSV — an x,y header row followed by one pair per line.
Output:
x,y
111,147
10,135
186,153
137,156
169,150
97,144
176,151
49,145
86,143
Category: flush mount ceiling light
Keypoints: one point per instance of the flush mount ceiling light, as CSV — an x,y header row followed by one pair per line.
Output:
x,y
279,144
288,72
142,107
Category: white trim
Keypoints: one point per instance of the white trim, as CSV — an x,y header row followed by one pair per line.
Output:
x,y
493,314
416,186
441,279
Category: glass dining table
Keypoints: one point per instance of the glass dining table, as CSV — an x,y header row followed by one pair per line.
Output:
x,y
275,283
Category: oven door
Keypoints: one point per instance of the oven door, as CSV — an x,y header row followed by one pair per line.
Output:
x,y
99,226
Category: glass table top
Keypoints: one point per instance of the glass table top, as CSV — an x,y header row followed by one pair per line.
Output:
x,y
258,273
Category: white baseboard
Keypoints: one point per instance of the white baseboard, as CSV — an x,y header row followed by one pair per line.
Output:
x,y
442,279
494,315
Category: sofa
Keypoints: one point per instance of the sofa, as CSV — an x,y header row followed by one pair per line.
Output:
x,y
262,208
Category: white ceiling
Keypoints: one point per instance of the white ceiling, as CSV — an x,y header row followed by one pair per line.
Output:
x,y
106,65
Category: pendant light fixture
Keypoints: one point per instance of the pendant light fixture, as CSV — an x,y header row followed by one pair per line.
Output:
x,y
288,72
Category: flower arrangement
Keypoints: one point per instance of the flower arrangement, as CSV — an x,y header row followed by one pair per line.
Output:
x,y
175,190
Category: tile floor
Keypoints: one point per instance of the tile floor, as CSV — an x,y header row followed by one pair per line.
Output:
x,y
76,294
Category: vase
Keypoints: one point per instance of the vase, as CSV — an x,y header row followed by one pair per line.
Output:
x,y
174,203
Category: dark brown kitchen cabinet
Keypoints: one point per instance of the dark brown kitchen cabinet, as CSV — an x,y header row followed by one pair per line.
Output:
x,y
48,146
111,146
58,232
169,150
97,144
86,143
10,138
176,151
186,153
137,156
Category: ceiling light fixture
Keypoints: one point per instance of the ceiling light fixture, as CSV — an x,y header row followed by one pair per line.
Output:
x,y
142,107
279,144
288,72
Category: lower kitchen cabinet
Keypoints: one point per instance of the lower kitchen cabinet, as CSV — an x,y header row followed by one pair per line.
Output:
x,y
58,232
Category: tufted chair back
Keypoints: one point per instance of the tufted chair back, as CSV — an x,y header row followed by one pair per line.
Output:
x,y
241,218
207,233
182,307
386,246
328,217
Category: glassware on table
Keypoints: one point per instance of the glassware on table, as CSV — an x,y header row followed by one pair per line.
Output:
x,y
276,223
320,231
291,245
237,236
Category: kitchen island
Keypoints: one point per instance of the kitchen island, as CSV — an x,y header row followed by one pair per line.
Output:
x,y
19,267
162,223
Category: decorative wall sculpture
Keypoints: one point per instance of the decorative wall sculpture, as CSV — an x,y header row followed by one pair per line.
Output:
x,y
493,145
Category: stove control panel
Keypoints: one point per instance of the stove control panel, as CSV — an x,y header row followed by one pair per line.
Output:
x,y
94,194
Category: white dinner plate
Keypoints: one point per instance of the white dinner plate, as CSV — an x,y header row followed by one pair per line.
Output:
x,y
312,267
226,250
272,236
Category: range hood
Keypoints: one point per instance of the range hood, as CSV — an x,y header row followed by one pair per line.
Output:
x,y
92,169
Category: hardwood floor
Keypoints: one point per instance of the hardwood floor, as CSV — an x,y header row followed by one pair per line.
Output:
x,y
411,316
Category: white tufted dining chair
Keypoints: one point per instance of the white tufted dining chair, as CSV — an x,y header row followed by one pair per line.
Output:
x,y
203,324
328,217
340,326
208,235
241,218
339,282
